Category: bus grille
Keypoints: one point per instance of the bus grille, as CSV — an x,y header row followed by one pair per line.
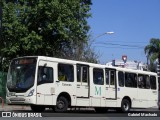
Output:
x,y
17,99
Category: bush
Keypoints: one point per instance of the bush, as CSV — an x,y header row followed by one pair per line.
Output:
x,y
3,80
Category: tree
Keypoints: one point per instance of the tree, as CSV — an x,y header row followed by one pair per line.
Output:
x,y
153,50
56,28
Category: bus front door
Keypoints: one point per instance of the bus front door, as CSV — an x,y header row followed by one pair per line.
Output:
x,y
45,84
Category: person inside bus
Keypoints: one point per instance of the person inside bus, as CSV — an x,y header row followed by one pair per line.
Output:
x,y
44,75
100,80
61,75
140,82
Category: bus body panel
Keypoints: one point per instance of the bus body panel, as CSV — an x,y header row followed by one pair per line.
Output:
x,y
50,91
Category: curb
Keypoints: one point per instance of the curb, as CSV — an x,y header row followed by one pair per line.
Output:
x,y
10,108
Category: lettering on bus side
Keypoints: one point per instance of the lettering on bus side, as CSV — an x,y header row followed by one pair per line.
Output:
x,y
97,90
64,84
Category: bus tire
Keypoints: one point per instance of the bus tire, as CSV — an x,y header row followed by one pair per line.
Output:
x,y
37,108
62,104
125,105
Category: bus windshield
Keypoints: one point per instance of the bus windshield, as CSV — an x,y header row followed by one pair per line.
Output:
x,y
21,74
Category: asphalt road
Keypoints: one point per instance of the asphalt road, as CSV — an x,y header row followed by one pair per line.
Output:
x,y
83,114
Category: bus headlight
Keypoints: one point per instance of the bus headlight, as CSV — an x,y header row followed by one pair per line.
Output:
x,y
31,93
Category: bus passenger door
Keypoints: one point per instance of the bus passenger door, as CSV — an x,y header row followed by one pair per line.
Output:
x,y
45,79
82,81
110,84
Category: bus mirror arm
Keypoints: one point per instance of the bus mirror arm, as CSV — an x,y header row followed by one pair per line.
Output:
x,y
45,64
57,81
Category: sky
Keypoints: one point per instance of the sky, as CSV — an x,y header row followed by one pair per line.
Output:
x,y
134,23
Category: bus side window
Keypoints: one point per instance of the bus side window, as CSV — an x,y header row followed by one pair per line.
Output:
x,y
131,80
147,82
61,74
85,74
45,75
153,82
107,77
82,73
65,72
141,82
112,78
121,79
98,77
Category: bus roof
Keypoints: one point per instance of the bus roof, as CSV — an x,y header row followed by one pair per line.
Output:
x,y
89,64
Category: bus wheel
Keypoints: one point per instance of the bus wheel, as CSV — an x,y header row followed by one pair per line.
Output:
x,y
125,105
61,105
37,108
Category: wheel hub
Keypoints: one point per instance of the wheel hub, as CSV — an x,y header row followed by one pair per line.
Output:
x,y
60,104
126,106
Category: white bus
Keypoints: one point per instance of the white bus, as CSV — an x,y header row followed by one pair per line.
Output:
x,y
46,82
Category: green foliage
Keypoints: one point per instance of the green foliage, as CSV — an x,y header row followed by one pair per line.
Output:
x,y
153,51
152,67
3,79
56,28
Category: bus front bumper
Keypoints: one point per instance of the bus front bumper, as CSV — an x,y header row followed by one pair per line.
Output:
x,y
20,100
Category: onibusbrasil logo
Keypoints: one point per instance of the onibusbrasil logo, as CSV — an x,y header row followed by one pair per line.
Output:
x,y
15,114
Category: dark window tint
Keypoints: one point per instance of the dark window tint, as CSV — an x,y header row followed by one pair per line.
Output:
x,y
143,81
153,82
98,77
107,77
65,72
130,80
147,81
112,78
45,75
82,73
121,79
